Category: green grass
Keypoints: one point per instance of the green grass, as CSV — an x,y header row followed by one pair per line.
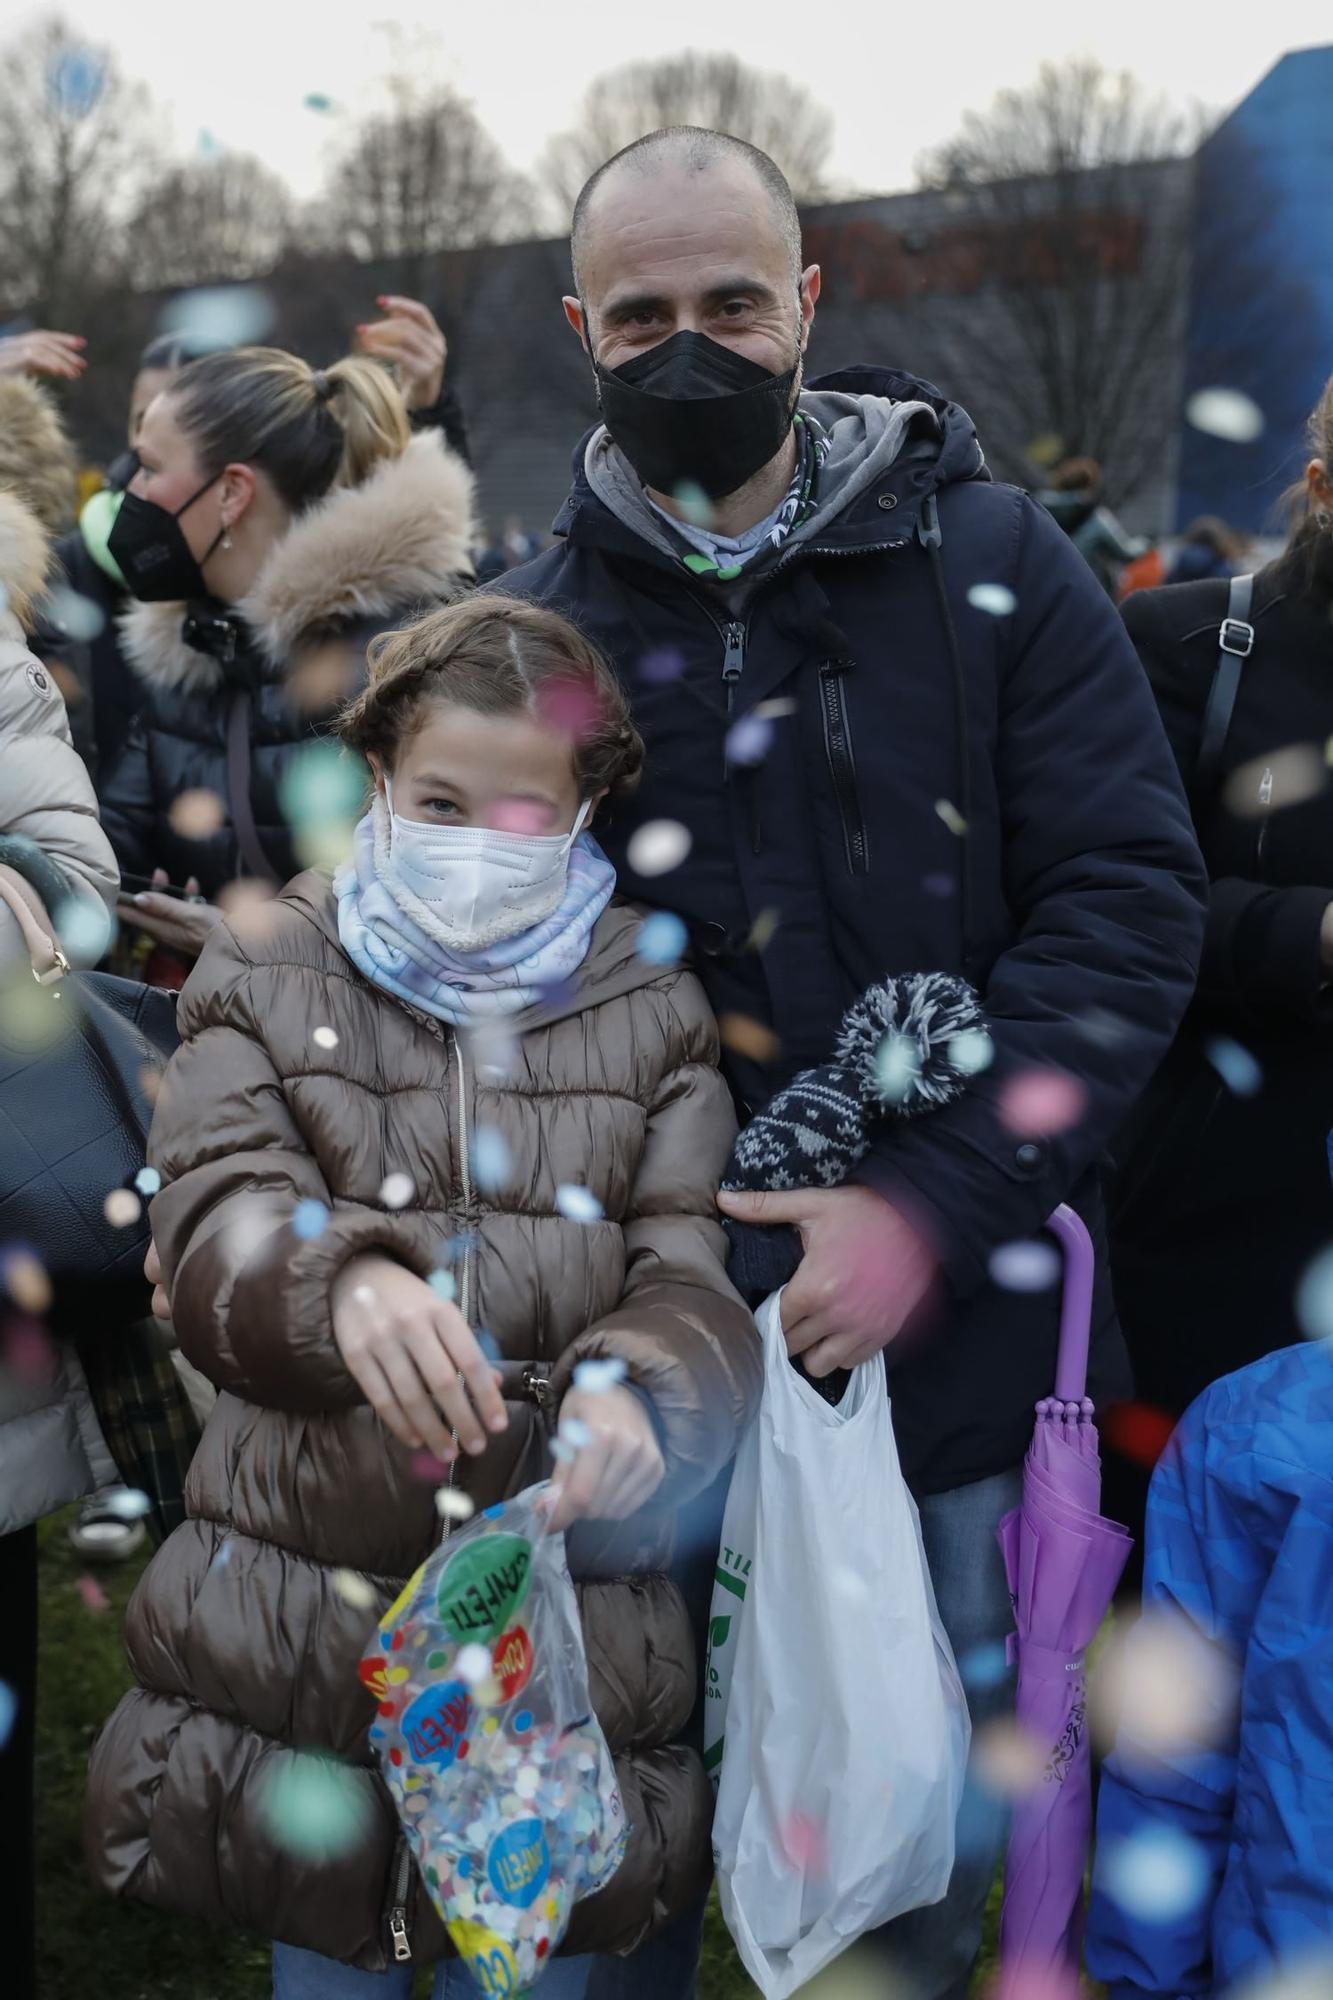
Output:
x,y
89,1944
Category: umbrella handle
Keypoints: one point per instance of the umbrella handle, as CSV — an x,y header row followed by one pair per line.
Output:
x,y
1071,1368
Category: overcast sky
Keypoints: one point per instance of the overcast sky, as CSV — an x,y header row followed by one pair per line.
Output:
x,y
895,74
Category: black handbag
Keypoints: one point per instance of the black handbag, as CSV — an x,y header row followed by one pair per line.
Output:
x,y
81,1056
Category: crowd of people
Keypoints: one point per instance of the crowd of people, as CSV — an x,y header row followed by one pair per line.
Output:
x,y
797,698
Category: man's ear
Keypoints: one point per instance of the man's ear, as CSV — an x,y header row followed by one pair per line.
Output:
x,y
809,297
574,314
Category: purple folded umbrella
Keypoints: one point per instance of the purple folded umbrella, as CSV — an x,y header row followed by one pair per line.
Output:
x,y
1063,1560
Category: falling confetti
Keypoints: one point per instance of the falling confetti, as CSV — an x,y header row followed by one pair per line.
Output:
x,y
444,1285
473,1664
397,1190
9,1708
575,1433
1025,1266
76,79
571,705
1237,1068
1161,1689
1007,1759
1314,1298
126,1503
26,1281
492,1163
577,1204
694,504
77,616
662,939
748,1037
603,1373
220,316
429,1469
325,1038
661,665
939,884
321,792
971,1052
983,1667
995,599
353,1588
1139,1430
849,1585
451,1505
1040,1103
763,930
86,929
657,847
1158,1874
317,100
309,1220
122,1208
1225,413
750,740
93,1595
803,1845
197,814
1047,449
314,1807
148,1182
897,1067
951,816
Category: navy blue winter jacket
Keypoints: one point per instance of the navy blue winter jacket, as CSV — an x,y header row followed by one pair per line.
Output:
x,y
1073,898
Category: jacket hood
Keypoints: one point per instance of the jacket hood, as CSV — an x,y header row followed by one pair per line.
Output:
x,y
36,457
402,537
25,555
614,964
886,430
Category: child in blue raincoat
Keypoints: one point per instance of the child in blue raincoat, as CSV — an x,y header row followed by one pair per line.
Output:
x,y
1216,1866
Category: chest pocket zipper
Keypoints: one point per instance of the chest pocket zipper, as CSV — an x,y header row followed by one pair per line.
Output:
x,y
842,764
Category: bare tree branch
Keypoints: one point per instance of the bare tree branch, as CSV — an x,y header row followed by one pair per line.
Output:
x,y
208,221
772,112
73,157
1078,192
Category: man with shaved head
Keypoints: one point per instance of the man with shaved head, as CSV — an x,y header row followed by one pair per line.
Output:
x,y
905,732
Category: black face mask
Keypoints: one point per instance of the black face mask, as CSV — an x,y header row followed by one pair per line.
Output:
x,y
153,555
692,412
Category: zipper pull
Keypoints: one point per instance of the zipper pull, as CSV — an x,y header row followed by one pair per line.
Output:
x,y
733,660
1266,787
538,1386
402,1950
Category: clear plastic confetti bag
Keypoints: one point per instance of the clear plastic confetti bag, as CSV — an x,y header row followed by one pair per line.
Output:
x,y
497,1766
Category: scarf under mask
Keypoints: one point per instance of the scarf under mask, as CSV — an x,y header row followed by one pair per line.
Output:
x,y
397,951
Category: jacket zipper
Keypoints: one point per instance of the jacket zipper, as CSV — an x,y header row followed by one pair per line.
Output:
x,y
1266,805
733,659
401,1873
842,765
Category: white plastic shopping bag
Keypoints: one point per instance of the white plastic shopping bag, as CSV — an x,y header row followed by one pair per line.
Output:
x,y
836,1726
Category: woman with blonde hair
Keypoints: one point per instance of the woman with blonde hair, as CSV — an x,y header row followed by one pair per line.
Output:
x,y
281,516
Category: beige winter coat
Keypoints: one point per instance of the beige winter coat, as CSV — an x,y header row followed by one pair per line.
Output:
x,y
239,1637
51,1450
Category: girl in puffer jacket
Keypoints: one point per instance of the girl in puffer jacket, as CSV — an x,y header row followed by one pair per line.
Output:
x,y
456,1090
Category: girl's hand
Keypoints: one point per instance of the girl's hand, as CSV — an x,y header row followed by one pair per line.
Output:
x,y
415,1358
43,353
179,925
410,339
618,1463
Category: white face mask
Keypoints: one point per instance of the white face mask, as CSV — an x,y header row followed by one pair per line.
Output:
x,y
473,886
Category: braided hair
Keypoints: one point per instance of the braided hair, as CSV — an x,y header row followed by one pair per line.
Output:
x,y
498,656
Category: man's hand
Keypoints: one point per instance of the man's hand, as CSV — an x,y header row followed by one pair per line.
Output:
x,y
43,353
410,339
864,1271
415,1358
181,926
152,1270
618,1463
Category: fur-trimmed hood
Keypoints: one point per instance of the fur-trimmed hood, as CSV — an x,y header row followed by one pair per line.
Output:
x,y
37,462
402,537
25,555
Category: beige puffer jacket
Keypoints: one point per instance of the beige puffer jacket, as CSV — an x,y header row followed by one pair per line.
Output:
x,y
51,1450
239,1637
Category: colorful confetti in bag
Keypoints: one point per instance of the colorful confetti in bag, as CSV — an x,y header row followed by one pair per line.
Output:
x,y
498,1768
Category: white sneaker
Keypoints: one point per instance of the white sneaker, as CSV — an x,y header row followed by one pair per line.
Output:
x,y
103,1530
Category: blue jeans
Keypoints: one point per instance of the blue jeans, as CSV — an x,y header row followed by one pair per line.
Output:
x,y
934,1949
308,1975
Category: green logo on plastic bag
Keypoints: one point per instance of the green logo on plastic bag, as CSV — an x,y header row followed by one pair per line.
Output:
x,y
482,1586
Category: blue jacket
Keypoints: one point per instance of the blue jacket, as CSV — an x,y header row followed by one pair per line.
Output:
x,y
900,709
1240,1544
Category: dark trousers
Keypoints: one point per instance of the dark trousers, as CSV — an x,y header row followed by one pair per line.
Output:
x,y
18,1670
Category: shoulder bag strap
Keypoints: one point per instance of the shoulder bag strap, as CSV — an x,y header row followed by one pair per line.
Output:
x,y
238,789
1235,643
49,963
